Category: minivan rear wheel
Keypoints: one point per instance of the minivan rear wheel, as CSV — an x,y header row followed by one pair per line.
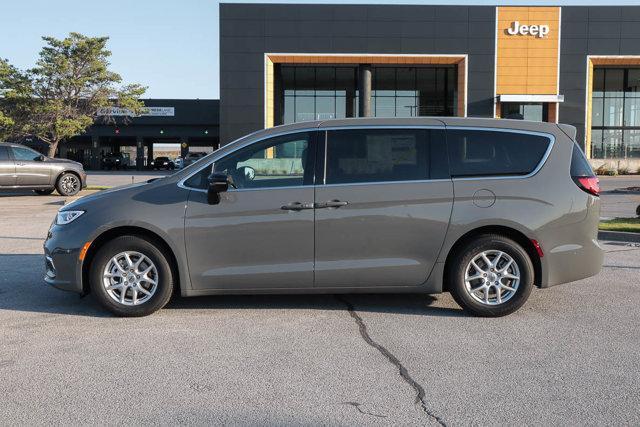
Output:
x,y
131,277
491,276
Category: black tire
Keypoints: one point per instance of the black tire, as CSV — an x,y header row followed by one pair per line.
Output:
x,y
462,259
165,281
68,184
44,192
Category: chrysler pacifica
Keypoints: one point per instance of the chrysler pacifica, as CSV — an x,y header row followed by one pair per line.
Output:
x,y
484,209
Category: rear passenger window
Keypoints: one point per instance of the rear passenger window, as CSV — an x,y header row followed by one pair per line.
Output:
x,y
484,153
378,155
4,153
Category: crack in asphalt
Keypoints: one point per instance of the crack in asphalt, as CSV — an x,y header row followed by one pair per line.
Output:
x,y
621,266
402,370
357,405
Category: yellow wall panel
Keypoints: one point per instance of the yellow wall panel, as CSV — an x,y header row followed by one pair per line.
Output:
x,y
527,64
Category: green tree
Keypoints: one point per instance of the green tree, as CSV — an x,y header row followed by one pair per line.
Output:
x,y
6,123
69,88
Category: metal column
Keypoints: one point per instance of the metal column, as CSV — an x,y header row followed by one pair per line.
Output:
x,y
364,87
94,162
139,153
184,146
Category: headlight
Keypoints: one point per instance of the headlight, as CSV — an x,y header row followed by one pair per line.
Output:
x,y
65,217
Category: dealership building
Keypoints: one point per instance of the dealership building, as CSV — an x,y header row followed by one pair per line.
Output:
x,y
284,63
189,125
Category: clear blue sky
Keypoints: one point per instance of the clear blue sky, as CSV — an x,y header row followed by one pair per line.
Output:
x,y
171,46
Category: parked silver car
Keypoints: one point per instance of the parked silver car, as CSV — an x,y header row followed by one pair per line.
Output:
x,y
485,209
23,168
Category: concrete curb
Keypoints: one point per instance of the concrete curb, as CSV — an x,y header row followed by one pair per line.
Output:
x,y
621,191
619,236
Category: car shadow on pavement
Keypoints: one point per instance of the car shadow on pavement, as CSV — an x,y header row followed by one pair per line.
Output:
x,y
414,304
22,288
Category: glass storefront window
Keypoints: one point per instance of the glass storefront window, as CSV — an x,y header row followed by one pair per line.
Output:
x,y
632,112
615,115
633,83
534,111
596,111
613,111
316,93
614,81
632,138
327,92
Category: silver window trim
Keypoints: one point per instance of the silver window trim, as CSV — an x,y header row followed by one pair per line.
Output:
x,y
542,162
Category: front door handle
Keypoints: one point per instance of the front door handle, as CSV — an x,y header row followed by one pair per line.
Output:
x,y
297,206
21,164
332,204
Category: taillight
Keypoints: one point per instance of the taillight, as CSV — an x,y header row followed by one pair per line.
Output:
x,y
582,174
590,184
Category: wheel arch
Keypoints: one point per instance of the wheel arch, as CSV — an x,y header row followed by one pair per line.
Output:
x,y
505,231
137,231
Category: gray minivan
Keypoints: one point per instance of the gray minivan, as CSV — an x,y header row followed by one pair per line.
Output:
x,y
482,208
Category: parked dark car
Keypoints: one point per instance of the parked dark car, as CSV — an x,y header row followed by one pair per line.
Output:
x,y
192,158
21,167
163,163
484,209
115,161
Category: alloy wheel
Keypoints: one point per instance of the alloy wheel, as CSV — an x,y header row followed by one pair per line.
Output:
x,y
69,184
492,277
130,278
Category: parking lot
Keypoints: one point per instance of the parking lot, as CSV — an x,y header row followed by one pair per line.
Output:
x,y
571,355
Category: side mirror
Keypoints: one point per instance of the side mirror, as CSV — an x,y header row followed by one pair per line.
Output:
x,y
40,158
218,183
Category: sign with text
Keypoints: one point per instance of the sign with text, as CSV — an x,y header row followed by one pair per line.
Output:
x,y
539,31
146,112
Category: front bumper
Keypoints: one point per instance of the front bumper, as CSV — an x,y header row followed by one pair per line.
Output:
x,y
63,268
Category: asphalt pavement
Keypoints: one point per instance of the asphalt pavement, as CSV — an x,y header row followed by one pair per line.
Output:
x,y
570,356
619,204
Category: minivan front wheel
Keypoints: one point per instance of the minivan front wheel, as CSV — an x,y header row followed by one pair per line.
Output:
x,y
131,277
491,276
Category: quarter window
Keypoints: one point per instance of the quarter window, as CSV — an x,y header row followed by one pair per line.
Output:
x,y
21,153
378,155
199,179
485,153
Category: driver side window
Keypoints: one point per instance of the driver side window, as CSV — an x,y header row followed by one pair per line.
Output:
x,y
281,161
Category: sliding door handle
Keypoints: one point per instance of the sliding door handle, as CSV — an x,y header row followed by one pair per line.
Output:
x,y
332,204
296,206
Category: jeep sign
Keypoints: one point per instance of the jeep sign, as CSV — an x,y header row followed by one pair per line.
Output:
x,y
539,31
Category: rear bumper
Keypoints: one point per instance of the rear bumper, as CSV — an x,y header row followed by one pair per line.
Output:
x,y
571,262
